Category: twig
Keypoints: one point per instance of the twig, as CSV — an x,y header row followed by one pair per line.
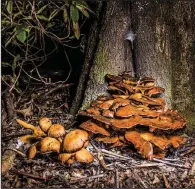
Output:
x,y
115,157
91,177
100,156
28,175
137,177
167,185
169,163
117,178
17,151
58,87
189,151
168,159
147,165
114,154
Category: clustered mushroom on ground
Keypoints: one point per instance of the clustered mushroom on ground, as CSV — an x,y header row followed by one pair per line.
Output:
x,y
50,137
134,114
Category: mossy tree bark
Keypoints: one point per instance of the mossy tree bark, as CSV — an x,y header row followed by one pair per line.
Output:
x,y
164,49
152,50
112,53
182,45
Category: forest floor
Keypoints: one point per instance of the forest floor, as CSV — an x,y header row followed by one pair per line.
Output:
x,y
125,168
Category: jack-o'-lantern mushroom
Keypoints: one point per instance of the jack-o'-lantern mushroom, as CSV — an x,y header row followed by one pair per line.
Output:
x,y
66,158
75,140
45,123
84,156
56,131
94,128
49,144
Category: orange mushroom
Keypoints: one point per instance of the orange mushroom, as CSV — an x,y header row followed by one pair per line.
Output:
x,y
56,131
93,110
75,140
94,128
32,151
84,156
108,113
45,123
176,141
106,105
37,131
65,157
49,144
107,140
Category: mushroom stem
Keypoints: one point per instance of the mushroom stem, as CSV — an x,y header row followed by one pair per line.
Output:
x,y
25,124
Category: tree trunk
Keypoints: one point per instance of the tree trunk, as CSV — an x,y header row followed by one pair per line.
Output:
x,y
112,54
152,50
164,49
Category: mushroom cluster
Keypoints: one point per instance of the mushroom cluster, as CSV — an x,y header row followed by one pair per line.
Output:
x,y
134,114
49,137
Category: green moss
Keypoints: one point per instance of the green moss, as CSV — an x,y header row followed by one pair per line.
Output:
x,y
85,106
190,121
101,65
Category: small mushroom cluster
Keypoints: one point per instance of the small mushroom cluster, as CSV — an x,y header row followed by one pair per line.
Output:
x,y
134,114
49,137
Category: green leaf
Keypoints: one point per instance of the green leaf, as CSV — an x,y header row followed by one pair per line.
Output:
x,y
27,18
82,9
49,25
41,17
84,5
21,34
74,13
76,29
65,15
9,6
53,14
41,9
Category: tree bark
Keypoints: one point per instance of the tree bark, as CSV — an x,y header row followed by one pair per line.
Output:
x,y
89,56
164,49
152,48
182,42
113,55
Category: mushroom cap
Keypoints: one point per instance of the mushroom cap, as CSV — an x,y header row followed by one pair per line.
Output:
x,y
32,151
93,110
63,158
56,131
45,123
84,156
126,111
38,132
108,113
75,140
158,141
94,128
144,147
107,140
71,160
49,144
106,104
176,141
